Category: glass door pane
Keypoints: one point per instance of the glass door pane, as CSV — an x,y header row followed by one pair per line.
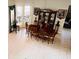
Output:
x,y
12,16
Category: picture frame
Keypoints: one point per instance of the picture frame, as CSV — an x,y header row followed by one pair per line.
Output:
x,y
61,14
36,11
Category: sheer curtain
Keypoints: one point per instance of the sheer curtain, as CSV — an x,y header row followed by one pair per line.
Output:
x,y
27,13
19,13
22,14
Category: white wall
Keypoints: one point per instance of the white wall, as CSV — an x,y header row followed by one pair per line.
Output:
x,y
52,4
10,2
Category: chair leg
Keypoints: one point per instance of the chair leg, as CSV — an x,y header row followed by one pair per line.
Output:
x,y
37,37
30,34
48,41
52,40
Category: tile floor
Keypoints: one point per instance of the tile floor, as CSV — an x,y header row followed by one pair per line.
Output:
x,y
23,47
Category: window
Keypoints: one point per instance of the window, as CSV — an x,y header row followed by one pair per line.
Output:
x,y
27,11
19,13
19,10
22,13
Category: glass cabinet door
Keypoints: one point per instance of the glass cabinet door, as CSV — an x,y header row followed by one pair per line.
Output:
x,y
12,16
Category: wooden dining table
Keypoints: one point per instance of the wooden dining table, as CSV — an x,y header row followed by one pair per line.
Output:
x,y
44,33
